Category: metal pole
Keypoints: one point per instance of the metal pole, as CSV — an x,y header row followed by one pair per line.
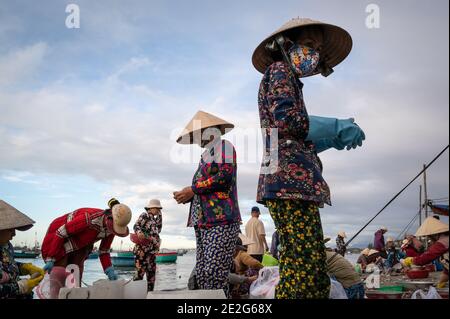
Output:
x,y
425,190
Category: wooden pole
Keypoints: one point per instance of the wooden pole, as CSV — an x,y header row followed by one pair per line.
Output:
x,y
420,205
425,191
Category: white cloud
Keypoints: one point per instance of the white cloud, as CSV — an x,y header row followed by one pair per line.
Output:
x,y
18,64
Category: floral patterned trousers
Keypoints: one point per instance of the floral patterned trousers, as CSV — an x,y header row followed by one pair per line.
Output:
x,y
145,264
215,249
303,269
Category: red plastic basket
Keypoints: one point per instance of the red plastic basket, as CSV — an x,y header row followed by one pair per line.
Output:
x,y
417,274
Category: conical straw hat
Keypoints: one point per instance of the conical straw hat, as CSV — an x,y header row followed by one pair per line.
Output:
x,y
373,251
11,218
431,226
336,47
200,121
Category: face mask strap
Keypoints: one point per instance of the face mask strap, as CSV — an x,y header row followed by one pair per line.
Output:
x,y
278,45
325,69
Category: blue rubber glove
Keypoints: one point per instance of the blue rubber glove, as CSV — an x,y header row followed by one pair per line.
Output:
x,y
49,266
328,133
111,273
350,135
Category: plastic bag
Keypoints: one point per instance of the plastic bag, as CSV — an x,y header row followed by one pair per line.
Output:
x,y
337,290
264,287
432,294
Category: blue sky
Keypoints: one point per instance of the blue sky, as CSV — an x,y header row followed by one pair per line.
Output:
x,y
91,113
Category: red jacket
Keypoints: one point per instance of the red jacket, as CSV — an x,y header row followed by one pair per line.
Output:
x,y
77,230
436,251
411,251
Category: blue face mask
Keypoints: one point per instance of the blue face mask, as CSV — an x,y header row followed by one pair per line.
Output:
x,y
304,60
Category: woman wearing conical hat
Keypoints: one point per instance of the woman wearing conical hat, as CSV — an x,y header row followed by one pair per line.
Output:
x,y
11,286
291,183
438,232
214,210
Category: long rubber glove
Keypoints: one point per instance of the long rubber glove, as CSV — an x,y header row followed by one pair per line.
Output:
x,y
26,286
327,133
111,273
30,269
407,262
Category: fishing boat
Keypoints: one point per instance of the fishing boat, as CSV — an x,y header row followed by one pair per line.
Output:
x,y
164,258
21,254
125,259
93,255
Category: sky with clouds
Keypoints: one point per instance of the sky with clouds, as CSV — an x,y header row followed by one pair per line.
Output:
x,y
91,113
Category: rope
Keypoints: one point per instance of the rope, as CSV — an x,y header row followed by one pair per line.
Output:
x,y
395,197
409,225
398,194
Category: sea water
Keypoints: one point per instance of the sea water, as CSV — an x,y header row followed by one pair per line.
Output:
x,y
174,276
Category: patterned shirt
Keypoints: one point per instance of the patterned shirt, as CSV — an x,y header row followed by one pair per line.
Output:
x,y
340,246
9,273
150,225
215,185
290,167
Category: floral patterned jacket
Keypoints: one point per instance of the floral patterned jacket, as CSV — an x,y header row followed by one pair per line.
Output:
x,y
215,184
150,226
290,168
9,273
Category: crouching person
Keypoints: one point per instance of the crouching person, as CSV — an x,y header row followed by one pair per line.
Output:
x,y
245,267
71,237
341,269
11,286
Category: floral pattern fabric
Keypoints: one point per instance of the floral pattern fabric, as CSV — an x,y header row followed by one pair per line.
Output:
x,y
290,168
9,273
340,246
303,261
150,225
145,255
145,265
304,59
215,185
215,250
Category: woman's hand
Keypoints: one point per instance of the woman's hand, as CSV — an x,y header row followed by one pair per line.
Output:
x,y
141,235
250,280
184,196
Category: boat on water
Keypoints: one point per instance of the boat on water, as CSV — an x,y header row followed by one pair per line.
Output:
x,y
166,257
93,255
126,258
21,254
